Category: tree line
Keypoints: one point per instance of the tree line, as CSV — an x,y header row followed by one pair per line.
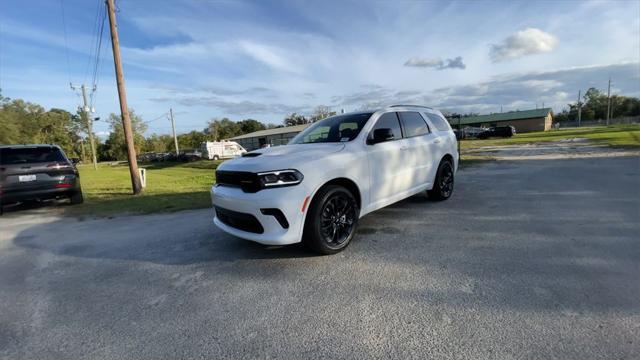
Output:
x,y
22,122
594,107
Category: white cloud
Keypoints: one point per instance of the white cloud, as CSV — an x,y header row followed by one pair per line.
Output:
x,y
524,42
436,63
423,62
267,55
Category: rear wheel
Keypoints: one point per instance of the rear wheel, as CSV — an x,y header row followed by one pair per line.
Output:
x,y
77,198
216,157
443,185
332,220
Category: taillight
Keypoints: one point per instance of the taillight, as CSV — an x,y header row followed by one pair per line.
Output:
x,y
58,166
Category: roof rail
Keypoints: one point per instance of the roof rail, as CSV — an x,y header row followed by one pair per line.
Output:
x,y
399,105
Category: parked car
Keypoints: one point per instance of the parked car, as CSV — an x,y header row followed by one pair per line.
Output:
x,y
498,131
37,172
215,150
337,170
190,155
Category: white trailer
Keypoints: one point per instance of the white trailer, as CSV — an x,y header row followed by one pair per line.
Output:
x,y
215,150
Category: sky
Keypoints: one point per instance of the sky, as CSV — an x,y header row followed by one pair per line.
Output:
x,y
266,59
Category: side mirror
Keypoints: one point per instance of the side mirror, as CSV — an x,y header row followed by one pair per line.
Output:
x,y
381,135
75,161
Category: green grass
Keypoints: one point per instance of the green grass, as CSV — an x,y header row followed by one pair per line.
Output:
x,y
170,187
615,135
181,186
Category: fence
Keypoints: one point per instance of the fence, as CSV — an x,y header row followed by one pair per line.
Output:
x,y
616,121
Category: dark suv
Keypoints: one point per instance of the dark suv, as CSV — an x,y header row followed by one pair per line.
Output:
x,y
37,172
498,131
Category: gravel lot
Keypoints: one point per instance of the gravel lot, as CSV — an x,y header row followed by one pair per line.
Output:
x,y
553,150
529,259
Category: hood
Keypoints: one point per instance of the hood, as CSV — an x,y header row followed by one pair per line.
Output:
x,y
280,157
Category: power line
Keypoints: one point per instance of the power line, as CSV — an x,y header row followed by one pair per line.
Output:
x,y
66,41
96,69
94,32
155,119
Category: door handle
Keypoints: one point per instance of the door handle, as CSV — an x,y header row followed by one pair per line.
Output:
x,y
437,141
404,148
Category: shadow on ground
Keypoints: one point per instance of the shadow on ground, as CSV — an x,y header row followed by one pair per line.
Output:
x,y
523,235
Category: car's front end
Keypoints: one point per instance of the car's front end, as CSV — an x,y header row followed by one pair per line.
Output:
x,y
262,196
266,207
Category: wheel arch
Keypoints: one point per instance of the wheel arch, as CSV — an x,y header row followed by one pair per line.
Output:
x,y
449,157
346,183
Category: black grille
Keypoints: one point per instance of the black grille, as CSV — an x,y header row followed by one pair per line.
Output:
x,y
247,181
238,220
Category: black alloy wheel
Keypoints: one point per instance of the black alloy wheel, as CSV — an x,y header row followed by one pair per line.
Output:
x,y
332,220
337,219
443,186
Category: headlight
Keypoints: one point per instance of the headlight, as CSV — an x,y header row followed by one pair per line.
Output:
x,y
269,179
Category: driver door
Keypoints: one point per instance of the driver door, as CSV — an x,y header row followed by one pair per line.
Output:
x,y
389,171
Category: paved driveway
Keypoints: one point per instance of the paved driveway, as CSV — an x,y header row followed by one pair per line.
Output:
x,y
529,259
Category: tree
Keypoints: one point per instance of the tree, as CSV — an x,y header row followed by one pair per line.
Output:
x,y
594,107
295,119
250,125
321,112
115,145
222,129
158,143
192,140
22,122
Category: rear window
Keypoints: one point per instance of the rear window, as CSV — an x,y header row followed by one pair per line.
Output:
x,y
439,122
30,155
414,124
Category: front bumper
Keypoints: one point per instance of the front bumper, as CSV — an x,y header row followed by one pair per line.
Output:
x,y
289,200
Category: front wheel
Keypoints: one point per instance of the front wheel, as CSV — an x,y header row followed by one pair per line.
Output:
x,y
443,185
332,220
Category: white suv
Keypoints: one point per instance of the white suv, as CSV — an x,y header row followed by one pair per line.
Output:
x,y
334,172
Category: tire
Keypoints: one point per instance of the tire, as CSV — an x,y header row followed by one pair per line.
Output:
x,y
77,198
332,220
216,157
443,185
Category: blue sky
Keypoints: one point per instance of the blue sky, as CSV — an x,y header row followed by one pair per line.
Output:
x,y
264,59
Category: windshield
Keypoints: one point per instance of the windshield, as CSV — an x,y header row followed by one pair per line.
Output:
x,y
340,128
29,155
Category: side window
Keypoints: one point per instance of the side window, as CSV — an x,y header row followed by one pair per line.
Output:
x,y
413,124
388,121
440,123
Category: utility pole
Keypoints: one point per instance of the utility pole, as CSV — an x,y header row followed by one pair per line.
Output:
x,y
124,110
84,157
173,127
88,119
579,109
608,101
86,111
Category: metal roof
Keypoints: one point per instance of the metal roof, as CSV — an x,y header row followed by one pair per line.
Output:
x,y
275,131
507,116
